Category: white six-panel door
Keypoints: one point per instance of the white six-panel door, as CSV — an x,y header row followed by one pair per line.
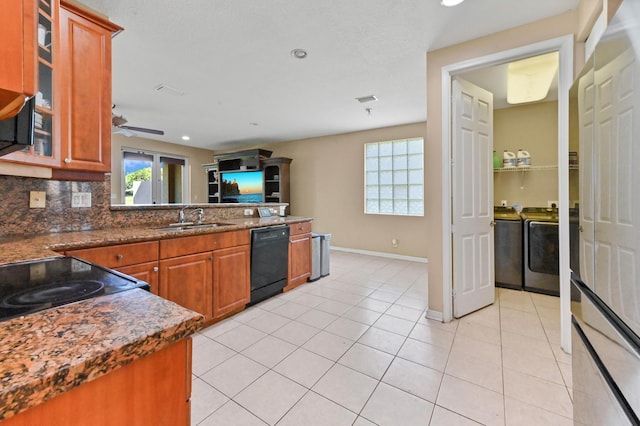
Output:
x,y
472,215
617,176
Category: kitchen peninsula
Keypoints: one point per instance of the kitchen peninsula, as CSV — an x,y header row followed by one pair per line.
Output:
x,y
56,354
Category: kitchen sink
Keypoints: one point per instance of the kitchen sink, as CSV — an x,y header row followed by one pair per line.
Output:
x,y
186,226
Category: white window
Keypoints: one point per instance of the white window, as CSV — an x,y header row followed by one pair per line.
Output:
x,y
394,177
153,178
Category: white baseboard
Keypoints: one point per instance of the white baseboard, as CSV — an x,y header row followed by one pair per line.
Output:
x,y
381,254
434,315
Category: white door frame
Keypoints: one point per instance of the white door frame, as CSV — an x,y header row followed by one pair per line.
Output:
x,y
564,45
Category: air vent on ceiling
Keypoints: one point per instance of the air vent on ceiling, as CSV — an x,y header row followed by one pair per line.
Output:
x,y
365,99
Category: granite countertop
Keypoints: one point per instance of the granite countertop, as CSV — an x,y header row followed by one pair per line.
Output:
x,y
18,249
50,352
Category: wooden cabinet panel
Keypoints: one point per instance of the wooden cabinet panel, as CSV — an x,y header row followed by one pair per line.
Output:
x,y
18,22
187,281
119,255
155,390
299,260
201,243
299,228
231,282
147,272
86,107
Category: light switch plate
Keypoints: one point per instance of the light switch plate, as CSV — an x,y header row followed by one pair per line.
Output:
x,y
37,199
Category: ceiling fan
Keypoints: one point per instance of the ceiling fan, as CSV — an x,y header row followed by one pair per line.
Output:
x,y
118,122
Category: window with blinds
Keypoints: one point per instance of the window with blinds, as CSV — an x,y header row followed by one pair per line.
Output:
x,y
394,177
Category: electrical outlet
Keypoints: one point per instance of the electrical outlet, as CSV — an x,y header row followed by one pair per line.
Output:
x,y
552,204
394,243
81,199
503,203
37,199
248,212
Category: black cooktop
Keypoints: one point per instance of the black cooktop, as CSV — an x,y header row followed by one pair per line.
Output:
x,y
33,286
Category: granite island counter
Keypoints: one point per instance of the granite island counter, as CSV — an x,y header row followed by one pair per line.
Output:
x,y
62,350
52,352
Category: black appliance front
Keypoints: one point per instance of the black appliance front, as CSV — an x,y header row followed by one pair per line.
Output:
x,y
541,256
269,261
33,286
508,248
17,133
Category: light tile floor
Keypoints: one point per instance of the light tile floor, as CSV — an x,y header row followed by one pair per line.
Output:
x,y
354,348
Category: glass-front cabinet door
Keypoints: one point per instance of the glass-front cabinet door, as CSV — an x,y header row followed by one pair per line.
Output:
x,y
45,149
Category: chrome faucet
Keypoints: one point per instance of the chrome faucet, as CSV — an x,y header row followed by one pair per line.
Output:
x,y
182,216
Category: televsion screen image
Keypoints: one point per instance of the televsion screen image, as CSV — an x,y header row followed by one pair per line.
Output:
x,y
242,187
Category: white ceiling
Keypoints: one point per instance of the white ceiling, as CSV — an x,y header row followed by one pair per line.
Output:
x,y
231,58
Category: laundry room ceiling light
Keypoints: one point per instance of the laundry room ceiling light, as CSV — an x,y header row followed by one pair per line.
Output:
x,y
529,80
449,3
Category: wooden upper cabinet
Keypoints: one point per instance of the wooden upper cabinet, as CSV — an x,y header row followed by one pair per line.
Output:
x,y
85,66
18,53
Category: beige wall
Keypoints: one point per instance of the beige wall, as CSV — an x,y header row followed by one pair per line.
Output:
x,y
527,34
196,158
533,128
327,183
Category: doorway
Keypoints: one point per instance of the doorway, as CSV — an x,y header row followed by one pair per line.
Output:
x,y
564,45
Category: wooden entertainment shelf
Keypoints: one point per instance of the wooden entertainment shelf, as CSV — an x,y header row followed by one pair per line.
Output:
x,y
275,174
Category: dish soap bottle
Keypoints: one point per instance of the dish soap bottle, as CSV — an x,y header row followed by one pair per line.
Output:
x,y
496,161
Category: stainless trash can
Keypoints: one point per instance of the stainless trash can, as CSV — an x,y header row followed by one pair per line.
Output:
x,y
316,254
325,249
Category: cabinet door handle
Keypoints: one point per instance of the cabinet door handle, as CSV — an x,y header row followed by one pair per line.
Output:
x,y
492,223
155,269
119,256
210,258
67,160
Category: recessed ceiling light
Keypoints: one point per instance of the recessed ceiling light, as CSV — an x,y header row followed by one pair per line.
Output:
x,y
449,3
299,53
364,99
185,138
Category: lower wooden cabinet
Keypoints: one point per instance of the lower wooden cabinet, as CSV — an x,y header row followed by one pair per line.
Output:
x,y
147,272
208,274
299,254
231,280
139,260
152,391
187,281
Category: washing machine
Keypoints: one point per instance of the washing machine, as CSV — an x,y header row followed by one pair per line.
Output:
x,y
541,250
507,247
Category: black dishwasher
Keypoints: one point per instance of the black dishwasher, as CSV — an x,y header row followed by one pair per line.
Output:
x,y
269,261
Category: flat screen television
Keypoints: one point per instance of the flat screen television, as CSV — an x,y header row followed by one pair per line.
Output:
x,y
242,187
17,133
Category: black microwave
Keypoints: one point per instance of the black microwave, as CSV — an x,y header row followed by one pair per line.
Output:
x,y
16,133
